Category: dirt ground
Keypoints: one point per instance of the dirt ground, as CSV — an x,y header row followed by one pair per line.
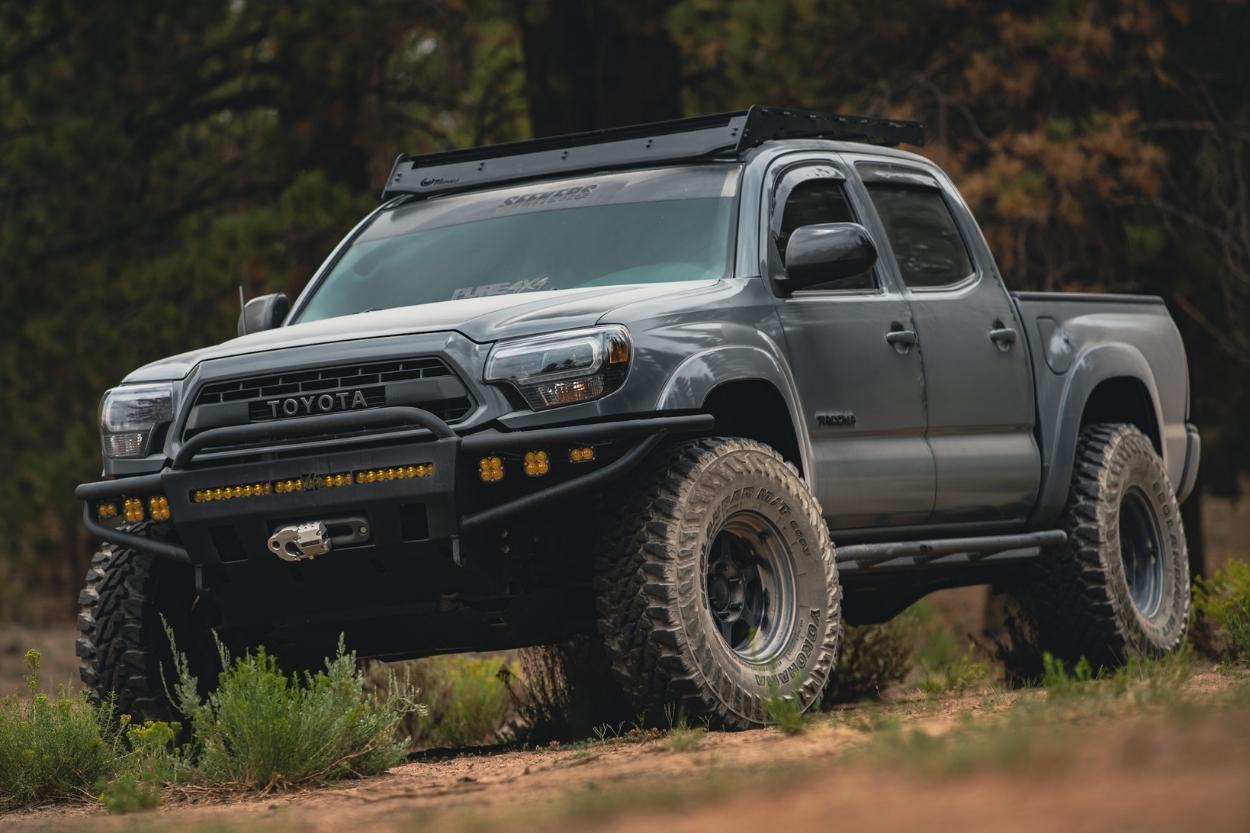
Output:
x,y
1181,771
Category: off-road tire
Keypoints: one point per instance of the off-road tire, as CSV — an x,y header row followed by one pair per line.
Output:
x,y
652,592
122,647
1080,596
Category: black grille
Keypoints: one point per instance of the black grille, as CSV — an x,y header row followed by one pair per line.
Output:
x,y
320,381
425,382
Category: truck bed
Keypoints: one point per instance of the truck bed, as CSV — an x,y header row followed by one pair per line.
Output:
x,y
1128,345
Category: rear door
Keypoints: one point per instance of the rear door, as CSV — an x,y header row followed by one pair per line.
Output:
x,y
859,375
978,380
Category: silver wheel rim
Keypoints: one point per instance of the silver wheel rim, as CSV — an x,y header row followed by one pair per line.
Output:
x,y
749,587
1141,551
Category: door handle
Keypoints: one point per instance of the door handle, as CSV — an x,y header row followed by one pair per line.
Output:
x,y
1002,336
901,340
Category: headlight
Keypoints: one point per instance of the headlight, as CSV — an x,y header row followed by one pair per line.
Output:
x,y
563,368
129,415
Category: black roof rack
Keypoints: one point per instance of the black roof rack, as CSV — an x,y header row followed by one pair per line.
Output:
x,y
702,137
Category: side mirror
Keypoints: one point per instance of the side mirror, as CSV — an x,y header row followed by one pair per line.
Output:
x,y
827,252
263,313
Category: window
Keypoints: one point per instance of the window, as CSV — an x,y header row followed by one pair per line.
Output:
x,y
819,201
922,232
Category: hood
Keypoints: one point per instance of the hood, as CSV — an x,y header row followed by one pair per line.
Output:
x,y
480,319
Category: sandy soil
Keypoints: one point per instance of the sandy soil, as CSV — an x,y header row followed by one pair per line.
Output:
x,y
1188,772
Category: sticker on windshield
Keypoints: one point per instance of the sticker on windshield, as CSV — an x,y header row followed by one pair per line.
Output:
x,y
508,288
577,192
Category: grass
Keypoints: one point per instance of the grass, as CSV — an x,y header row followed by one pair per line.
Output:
x,y
1222,607
262,729
55,748
783,712
1037,728
686,738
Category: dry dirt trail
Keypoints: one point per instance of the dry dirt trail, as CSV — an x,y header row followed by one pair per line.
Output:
x,y
1180,771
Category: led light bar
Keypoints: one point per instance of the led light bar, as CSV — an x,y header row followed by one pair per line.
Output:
x,y
309,484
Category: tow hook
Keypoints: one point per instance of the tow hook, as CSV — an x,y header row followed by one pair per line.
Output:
x,y
301,543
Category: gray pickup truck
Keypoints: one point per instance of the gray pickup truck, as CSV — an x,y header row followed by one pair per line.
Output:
x,y
687,395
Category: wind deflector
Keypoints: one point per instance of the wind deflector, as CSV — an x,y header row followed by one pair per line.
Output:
x,y
723,135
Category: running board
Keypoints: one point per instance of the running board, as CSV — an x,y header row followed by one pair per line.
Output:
x,y
946,551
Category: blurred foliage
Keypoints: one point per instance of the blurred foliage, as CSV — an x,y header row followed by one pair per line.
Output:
x,y
154,158
1222,610
466,698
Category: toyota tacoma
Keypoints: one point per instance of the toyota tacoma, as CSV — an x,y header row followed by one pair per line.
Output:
x,y
692,393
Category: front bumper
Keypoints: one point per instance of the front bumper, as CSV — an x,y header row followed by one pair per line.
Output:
x,y
407,493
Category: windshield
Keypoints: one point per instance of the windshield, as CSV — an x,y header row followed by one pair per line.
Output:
x,y
666,224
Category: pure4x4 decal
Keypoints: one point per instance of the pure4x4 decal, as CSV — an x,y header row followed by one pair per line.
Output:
x,y
506,288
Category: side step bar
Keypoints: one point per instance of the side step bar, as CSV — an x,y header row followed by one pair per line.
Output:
x,y
946,551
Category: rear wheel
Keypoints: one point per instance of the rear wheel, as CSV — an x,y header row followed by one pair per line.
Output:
x,y
1120,586
717,588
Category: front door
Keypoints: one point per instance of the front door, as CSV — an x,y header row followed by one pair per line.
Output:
x,y
978,382
851,347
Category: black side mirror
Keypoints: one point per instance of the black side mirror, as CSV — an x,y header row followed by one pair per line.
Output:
x,y
263,313
827,252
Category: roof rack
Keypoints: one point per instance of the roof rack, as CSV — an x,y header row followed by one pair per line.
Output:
x,y
703,137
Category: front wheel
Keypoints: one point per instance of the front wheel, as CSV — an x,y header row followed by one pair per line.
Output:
x,y
716,588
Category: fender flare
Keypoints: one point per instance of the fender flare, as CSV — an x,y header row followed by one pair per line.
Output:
x,y
1092,367
698,375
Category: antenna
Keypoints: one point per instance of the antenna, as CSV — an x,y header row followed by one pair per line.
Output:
x,y
242,303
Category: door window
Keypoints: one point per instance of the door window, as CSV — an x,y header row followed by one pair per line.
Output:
x,y
926,242
820,201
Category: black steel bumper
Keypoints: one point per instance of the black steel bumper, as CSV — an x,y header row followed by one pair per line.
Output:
x,y
407,490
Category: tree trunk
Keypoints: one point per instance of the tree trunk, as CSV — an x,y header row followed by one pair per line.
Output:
x,y
598,63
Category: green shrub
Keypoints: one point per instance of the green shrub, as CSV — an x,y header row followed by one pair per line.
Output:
x,y
468,702
1060,680
873,657
264,729
1223,603
152,762
1139,683
783,712
54,748
684,738
956,672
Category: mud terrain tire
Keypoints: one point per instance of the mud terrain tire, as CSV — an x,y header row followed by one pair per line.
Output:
x,y
1120,586
122,647
716,587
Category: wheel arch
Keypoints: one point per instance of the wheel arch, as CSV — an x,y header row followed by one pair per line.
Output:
x,y
756,410
733,383
1109,383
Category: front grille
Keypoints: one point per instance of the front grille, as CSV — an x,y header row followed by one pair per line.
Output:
x,y
423,382
325,380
